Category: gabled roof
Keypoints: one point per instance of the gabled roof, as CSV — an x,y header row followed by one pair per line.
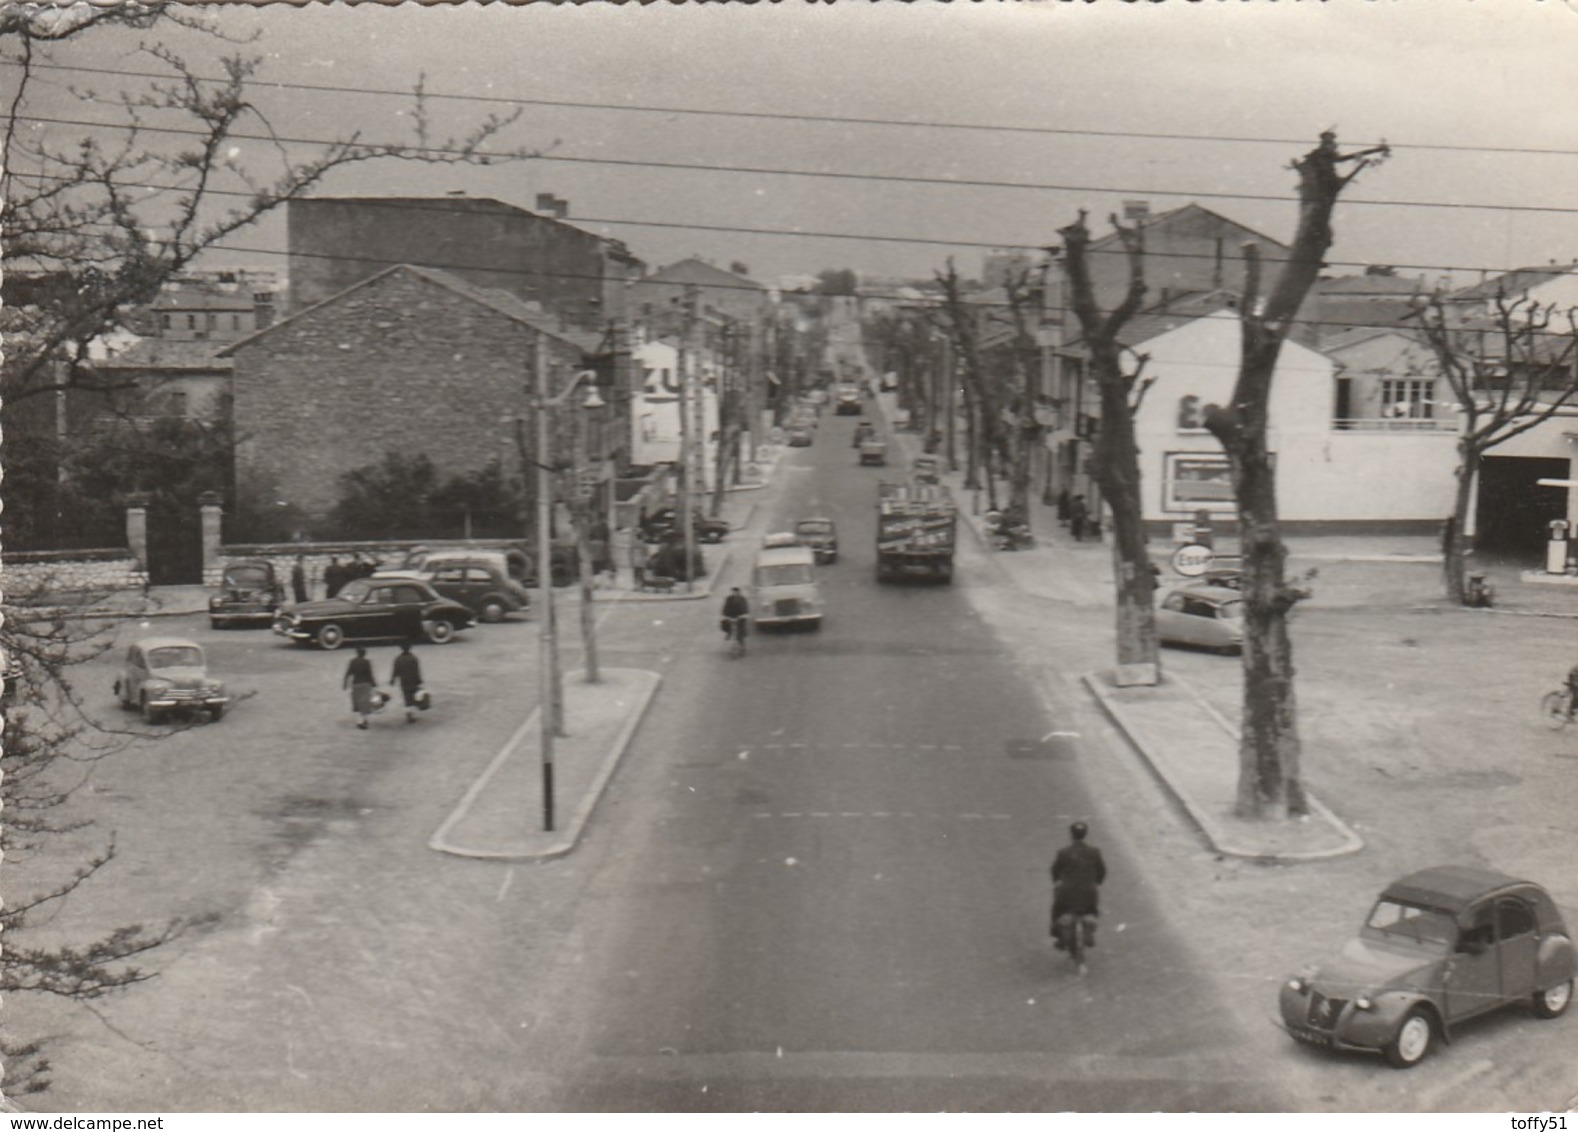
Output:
x,y
502,302
1352,337
1175,313
1190,210
168,354
1387,286
1514,282
695,270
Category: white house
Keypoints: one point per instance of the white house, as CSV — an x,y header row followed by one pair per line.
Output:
x,y
655,407
1331,475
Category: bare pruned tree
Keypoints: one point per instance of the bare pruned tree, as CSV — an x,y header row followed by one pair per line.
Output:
x,y
1509,372
1121,386
1269,784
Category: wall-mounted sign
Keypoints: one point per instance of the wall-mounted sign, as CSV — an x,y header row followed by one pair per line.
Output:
x,y
1197,481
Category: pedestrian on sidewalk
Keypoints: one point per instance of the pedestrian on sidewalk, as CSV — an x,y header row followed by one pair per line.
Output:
x,y
298,579
407,673
1062,507
363,685
1078,515
638,561
333,576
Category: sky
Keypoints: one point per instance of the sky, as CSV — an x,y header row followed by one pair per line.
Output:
x,y
1037,105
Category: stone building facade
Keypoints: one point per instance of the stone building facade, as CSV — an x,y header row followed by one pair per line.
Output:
x,y
410,360
575,275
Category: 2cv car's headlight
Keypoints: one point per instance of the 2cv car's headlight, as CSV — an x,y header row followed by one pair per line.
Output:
x,y
1364,1002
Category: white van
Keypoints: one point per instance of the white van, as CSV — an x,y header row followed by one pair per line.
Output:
x,y
783,588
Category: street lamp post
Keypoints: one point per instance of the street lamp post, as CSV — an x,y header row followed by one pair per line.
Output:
x,y
548,637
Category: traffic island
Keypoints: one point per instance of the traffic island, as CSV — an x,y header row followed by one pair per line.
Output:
x,y
1193,750
500,818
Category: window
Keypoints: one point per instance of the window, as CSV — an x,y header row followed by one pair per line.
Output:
x,y
164,321
191,322
409,595
1514,918
1408,400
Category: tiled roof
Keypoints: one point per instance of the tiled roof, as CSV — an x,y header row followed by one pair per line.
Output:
x,y
1385,285
1352,337
162,353
693,269
1514,282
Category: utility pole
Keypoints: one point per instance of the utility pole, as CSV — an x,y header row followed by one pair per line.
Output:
x,y
687,363
547,711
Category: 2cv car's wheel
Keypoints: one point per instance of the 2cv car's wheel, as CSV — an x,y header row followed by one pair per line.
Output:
x,y
330,637
1413,1040
440,632
1552,1002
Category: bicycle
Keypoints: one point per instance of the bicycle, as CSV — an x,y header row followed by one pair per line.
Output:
x,y
737,634
1557,708
1077,932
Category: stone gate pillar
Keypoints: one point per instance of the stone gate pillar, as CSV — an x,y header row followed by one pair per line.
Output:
x,y
137,530
212,513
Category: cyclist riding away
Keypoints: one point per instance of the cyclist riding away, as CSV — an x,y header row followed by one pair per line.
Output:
x,y
1077,873
736,611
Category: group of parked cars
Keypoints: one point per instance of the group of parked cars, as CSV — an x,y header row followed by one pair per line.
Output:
x,y
433,594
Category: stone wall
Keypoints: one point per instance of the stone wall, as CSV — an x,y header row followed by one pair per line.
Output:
x,y
402,364
73,571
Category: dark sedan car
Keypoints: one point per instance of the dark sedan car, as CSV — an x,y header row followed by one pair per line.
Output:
x,y
249,592
1441,946
375,609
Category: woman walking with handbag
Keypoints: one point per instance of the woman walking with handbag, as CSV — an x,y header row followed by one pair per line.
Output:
x,y
363,685
407,673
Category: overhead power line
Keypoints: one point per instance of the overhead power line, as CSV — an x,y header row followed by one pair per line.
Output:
x,y
782,116
443,206
881,178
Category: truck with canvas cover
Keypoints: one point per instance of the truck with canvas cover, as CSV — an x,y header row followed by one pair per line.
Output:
x,y
916,524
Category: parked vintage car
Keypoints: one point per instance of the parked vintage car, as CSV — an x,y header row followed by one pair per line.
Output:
x,y
1205,616
665,524
1440,946
373,609
166,675
479,584
820,535
250,593
798,436
925,469
873,452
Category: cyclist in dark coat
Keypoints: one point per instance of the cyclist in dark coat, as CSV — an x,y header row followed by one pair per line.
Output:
x,y
1077,873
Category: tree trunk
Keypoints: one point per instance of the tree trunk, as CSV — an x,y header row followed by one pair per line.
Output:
x,y
1269,748
1454,546
1117,473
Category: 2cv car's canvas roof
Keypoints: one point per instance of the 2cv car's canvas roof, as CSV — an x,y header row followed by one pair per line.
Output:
x,y
1451,888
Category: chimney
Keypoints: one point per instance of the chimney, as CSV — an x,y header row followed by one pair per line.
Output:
x,y
557,206
1138,211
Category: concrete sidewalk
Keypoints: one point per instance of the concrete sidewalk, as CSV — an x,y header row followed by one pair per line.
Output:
x,y
1190,747
501,816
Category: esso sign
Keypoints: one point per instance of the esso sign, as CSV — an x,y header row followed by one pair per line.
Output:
x,y
1191,560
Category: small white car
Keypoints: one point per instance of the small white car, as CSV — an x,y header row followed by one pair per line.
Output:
x,y
165,675
1208,617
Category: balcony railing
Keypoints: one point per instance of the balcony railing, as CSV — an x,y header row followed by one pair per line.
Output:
x,y
1391,424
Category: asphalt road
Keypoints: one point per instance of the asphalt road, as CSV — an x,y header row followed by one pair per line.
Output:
x,y
817,882
835,896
